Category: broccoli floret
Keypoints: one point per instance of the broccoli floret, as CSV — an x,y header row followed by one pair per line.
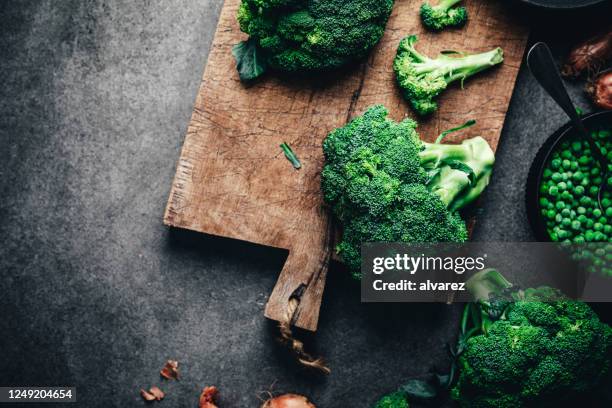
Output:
x,y
422,78
393,400
384,184
541,351
302,36
443,15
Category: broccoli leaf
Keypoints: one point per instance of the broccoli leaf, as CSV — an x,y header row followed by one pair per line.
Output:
x,y
419,390
467,124
249,62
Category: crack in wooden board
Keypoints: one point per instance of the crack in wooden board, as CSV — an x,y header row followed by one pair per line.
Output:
x,y
233,180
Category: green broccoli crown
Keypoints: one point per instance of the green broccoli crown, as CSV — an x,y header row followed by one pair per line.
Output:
x,y
537,354
300,35
443,15
393,400
422,78
386,185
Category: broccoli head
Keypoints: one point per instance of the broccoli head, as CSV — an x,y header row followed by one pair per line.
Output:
x,y
542,350
307,35
443,15
384,184
393,400
422,78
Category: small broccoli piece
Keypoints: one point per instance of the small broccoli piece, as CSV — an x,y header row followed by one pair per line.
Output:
x,y
393,400
542,350
305,36
443,15
386,185
422,78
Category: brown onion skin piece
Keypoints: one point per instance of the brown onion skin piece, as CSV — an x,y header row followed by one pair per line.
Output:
x,y
600,90
288,401
589,56
208,396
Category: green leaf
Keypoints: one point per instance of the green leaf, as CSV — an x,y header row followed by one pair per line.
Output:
x,y
419,390
291,156
467,124
459,165
249,61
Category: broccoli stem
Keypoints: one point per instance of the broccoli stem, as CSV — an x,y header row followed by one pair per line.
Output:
x,y
434,153
463,172
445,4
468,196
454,68
449,183
486,282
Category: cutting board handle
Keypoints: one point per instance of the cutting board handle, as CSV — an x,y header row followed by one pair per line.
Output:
x,y
302,279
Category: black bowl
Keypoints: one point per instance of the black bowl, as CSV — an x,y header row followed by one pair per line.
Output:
x,y
534,178
562,4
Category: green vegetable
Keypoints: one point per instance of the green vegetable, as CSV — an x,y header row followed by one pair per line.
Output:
x,y
393,400
249,62
442,15
422,78
290,155
568,192
386,185
531,348
305,36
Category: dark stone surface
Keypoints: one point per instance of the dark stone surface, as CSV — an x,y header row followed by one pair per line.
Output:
x,y
97,293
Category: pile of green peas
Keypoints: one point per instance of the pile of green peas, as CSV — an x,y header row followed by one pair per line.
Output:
x,y
568,192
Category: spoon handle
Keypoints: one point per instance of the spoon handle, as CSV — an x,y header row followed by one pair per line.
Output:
x,y
544,69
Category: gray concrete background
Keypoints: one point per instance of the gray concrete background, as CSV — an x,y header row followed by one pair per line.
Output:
x,y
97,293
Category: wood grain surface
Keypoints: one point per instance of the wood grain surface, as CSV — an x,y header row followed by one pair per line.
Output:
x,y
233,180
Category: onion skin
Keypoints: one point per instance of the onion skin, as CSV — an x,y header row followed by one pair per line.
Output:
x,y
208,396
589,56
288,401
600,90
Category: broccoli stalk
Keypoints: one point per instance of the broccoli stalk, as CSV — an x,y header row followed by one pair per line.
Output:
x,y
443,15
422,78
462,171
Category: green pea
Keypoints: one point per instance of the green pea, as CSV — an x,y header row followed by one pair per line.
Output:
x,y
566,164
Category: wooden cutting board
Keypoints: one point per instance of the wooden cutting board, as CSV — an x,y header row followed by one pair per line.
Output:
x,y
233,180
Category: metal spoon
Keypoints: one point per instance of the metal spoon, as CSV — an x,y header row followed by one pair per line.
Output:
x,y
544,69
